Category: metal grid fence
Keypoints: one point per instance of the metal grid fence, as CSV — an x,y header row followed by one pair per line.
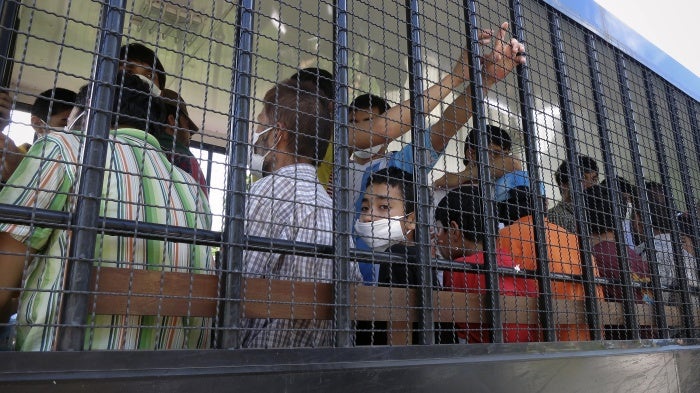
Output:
x,y
247,192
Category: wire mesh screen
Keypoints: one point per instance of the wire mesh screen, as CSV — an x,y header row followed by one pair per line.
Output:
x,y
193,175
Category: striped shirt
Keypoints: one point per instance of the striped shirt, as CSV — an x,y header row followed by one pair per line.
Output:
x,y
291,205
139,184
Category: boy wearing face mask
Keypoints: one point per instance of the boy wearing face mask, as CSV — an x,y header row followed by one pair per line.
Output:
x,y
460,236
387,223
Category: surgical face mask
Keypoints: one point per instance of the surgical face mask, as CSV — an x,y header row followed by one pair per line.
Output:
x,y
155,91
364,154
75,125
255,160
381,234
46,129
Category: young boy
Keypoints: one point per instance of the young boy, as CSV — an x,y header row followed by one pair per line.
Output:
x,y
460,236
387,224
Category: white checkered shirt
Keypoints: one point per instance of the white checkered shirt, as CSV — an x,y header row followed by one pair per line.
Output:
x,y
290,204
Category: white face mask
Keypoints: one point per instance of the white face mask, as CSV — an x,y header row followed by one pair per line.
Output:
x,y
364,154
381,234
46,129
75,124
155,91
255,160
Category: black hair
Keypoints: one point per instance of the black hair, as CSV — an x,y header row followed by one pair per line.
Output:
x,y
395,177
660,212
496,136
133,104
463,206
625,187
369,101
586,163
57,99
599,209
143,54
324,80
518,204
304,113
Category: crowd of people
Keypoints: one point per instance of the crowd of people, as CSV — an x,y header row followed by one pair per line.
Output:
x,y
151,176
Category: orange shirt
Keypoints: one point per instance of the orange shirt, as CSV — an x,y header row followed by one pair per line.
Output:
x,y
563,252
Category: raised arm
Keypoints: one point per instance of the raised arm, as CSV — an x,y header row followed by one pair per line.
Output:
x,y
397,120
496,65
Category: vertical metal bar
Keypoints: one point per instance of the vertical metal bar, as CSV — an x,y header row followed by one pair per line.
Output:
x,y
210,161
237,150
660,148
683,165
71,332
9,22
608,158
695,131
486,186
569,128
527,116
645,212
421,170
341,195
675,228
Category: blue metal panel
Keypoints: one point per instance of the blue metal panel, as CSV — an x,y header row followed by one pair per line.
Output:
x,y
605,24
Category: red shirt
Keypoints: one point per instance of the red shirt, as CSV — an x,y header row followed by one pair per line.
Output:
x,y
508,286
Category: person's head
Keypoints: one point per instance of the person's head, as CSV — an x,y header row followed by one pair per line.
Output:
x,y
294,126
589,175
177,119
363,108
323,80
499,140
388,208
660,212
140,60
628,191
598,206
460,223
134,106
51,110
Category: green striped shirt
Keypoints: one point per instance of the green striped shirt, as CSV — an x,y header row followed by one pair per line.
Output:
x,y
141,185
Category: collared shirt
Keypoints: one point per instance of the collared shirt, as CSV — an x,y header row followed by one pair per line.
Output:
x,y
563,215
291,205
139,184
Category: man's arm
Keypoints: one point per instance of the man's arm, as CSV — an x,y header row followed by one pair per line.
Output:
x,y
12,264
496,65
498,166
397,120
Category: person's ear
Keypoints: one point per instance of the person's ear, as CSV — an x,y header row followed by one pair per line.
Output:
x,y
171,121
454,231
36,122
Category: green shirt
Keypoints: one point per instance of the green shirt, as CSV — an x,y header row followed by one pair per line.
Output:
x,y
140,184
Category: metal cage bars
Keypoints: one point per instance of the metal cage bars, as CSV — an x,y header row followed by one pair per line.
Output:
x,y
85,221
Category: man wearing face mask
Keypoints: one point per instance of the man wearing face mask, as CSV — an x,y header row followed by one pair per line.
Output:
x,y
138,59
290,204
